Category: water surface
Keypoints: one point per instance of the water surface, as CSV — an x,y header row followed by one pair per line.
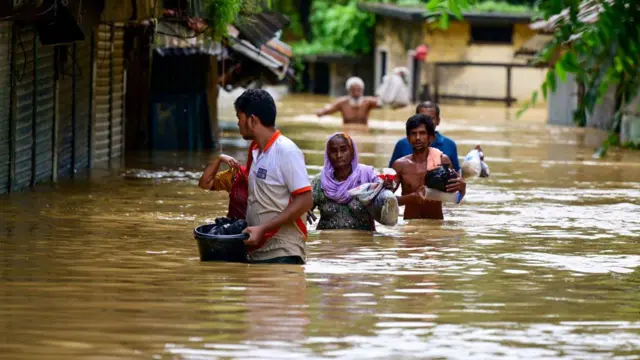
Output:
x,y
541,260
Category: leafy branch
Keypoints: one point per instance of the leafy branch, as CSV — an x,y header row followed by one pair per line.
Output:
x,y
221,13
337,28
601,53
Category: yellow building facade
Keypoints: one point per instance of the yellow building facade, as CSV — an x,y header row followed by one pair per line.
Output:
x,y
397,35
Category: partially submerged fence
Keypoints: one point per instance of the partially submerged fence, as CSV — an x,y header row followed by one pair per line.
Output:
x,y
455,79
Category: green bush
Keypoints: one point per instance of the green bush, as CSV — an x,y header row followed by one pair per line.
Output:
x,y
338,28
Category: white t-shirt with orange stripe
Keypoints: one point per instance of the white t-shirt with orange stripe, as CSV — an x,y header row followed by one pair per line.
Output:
x,y
275,176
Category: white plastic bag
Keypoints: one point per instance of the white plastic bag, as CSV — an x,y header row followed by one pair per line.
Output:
x,y
473,164
437,195
381,203
394,90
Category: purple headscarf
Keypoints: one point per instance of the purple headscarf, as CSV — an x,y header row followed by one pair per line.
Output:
x,y
337,190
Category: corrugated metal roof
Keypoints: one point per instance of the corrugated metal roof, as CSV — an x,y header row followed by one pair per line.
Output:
x,y
174,38
247,49
588,13
260,28
272,55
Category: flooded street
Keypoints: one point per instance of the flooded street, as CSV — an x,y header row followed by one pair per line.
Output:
x,y
542,260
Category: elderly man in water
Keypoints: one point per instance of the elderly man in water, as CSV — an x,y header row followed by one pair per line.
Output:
x,y
355,107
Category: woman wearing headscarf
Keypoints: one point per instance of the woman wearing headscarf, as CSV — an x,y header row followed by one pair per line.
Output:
x,y
341,173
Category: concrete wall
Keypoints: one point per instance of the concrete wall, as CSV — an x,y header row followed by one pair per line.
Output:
x,y
630,127
396,38
453,45
602,116
563,102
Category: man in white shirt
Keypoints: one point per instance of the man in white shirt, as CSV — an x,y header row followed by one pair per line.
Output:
x,y
279,188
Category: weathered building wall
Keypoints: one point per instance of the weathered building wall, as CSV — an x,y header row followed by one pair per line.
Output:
x,y
563,102
47,103
119,10
630,126
395,38
454,45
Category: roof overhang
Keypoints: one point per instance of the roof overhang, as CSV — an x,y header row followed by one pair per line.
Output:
x,y
174,38
588,13
332,58
420,14
274,55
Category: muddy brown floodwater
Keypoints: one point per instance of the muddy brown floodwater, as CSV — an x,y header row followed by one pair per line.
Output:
x,y
541,260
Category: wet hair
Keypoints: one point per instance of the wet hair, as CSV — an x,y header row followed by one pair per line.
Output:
x,y
421,119
428,105
257,102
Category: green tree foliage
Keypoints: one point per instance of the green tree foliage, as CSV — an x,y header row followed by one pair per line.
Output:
x,y
338,28
290,8
507,7
221,13
601,53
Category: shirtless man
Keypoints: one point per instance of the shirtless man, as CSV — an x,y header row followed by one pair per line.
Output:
x,y
412,169
355,107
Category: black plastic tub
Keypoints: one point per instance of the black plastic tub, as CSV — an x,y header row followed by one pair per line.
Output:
x,y
228,248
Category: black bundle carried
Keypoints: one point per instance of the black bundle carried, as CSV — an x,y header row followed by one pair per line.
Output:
x,y
439,177
222,240
228,226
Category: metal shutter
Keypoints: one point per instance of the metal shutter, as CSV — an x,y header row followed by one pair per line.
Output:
x,y
102,97
5,105
23,109
83,102
45,107
117,95
65,112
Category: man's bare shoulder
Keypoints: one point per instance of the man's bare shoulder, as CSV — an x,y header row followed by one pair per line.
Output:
x,y
371,100
341,101
400,164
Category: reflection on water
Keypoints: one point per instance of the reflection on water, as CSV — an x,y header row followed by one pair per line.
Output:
x,y
541,260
